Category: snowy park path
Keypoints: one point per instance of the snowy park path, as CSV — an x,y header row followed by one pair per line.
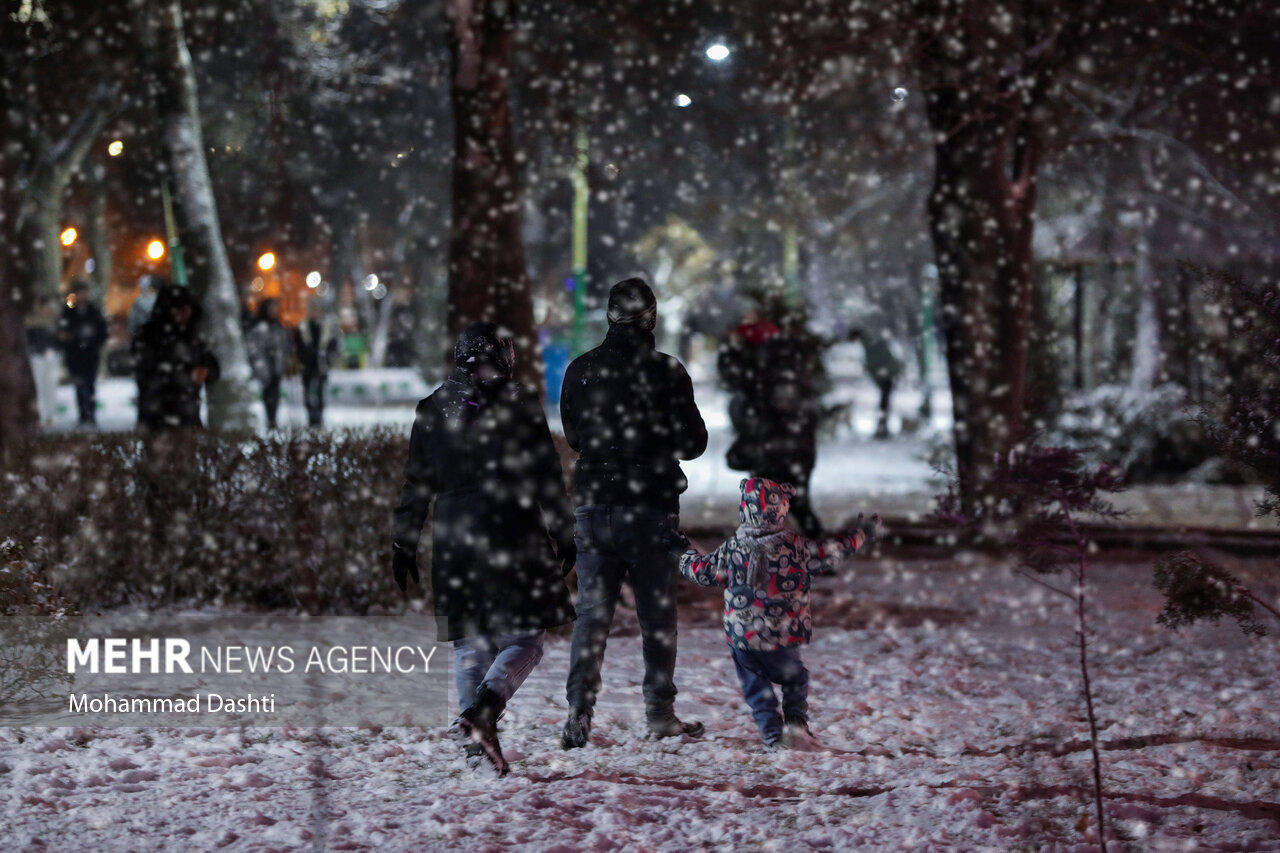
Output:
x,y
950,691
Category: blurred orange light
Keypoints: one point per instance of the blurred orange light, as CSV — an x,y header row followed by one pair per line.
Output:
x,y
155,250
69,237
267,261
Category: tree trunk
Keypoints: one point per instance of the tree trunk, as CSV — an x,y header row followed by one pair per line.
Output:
x,y
19,421
1080,379
43,236
981,217
96,232
487,276
399,256
1146,337
54,166
231,398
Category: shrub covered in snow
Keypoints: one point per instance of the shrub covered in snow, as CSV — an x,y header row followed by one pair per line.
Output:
x,y
302,520
1150,436
34,620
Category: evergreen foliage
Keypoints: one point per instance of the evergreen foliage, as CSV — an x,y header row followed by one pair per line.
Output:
x,y
1243,423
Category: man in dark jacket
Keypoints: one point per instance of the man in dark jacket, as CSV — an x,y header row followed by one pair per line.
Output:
x,y
629,411
317,341
82,332
172,362
481,449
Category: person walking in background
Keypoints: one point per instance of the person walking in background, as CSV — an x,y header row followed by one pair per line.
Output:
x,y
480,448
46,363
629,412
268,351
771,374
172,363
884,367
740,365
82,332
143,303
317,341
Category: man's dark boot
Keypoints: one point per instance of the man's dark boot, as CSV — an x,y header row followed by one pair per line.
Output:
x,y
663,722
479,725
577,730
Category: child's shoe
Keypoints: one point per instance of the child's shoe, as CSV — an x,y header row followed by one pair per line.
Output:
x,y
796,735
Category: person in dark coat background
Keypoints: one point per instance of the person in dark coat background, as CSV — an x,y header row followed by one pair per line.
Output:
x,y
82,332
502,534
317,340
629,411
172,362
884,367
771,375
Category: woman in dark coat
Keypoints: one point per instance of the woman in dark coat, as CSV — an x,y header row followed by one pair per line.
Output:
x,y
172,362
502,534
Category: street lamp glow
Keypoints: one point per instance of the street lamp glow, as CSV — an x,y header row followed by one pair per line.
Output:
x,y
718,52
313,279
155,250
266,261
69,237
116,148
683,100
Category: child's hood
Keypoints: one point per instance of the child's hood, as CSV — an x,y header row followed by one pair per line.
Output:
x,y
765,504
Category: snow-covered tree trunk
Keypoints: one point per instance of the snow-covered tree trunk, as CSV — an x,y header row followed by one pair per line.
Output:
x,y
54,166
231,398
1146,338
399,256
96,231
42,235
487,276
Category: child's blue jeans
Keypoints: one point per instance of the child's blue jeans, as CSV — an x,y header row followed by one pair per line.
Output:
x,y
758,672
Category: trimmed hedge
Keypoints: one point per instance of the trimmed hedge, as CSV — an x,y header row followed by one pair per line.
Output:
x,y
199,517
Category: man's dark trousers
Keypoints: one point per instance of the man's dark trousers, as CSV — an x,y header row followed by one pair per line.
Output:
x,y
617,543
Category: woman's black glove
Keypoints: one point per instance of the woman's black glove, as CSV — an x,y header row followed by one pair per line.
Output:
x,y
404,564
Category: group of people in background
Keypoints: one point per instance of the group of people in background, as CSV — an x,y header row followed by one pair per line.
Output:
x,y
170,357
772,371
504,538
315,342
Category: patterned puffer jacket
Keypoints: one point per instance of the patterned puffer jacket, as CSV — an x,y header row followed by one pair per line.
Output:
x,y
765,570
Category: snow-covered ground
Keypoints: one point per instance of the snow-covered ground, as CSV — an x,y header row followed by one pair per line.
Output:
x,y
948,692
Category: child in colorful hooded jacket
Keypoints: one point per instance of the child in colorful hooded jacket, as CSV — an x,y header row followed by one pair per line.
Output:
x,y
765,571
